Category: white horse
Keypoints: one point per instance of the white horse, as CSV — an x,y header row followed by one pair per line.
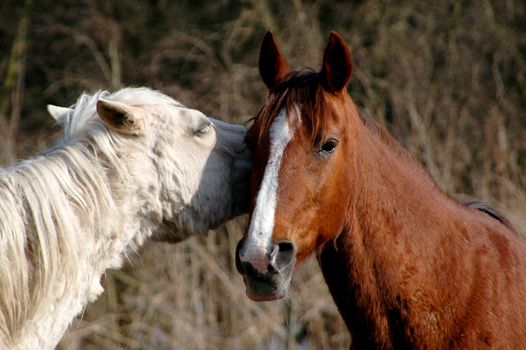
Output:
x,y
132,165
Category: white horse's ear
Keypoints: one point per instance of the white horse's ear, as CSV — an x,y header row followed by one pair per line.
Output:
x,y
120,117
57,112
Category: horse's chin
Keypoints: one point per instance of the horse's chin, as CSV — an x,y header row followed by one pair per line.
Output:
x,y
266,297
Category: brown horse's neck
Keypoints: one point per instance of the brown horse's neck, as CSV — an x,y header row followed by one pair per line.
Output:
x,y
398,245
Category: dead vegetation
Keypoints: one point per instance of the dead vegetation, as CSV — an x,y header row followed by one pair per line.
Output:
x,y
447,79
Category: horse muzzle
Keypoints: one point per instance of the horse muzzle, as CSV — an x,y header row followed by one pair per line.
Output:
x,y
266,273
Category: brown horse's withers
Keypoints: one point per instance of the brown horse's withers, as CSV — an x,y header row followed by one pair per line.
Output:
x,y
408,266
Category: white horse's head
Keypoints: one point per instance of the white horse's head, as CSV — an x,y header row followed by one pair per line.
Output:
x,y
194,167
131,166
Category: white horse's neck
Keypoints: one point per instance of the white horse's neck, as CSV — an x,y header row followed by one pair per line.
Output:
x,y
89,210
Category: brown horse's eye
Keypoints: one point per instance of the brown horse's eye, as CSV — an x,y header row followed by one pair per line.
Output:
x,y
329,146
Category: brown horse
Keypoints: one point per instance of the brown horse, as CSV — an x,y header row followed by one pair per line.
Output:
x,y
408,266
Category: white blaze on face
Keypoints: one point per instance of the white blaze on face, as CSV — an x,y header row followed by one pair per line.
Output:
x,y
262,223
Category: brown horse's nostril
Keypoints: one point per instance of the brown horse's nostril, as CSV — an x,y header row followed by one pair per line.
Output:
x,y
283,255
285,246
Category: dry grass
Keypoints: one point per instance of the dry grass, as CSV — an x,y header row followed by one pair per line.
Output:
x,y
198,302
447,79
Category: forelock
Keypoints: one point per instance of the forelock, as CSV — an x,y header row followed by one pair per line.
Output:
x,y
299,90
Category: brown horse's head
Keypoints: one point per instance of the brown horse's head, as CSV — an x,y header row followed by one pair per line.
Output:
x,y
301,143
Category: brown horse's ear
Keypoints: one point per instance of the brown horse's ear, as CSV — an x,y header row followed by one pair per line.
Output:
x,y
337,65
273,66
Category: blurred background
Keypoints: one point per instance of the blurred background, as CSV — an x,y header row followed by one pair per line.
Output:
x,y
447,78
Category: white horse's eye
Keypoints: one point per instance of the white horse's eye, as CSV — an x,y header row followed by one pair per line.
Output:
x,y
203,129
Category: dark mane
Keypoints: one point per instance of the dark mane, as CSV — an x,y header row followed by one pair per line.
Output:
x,y
301,88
